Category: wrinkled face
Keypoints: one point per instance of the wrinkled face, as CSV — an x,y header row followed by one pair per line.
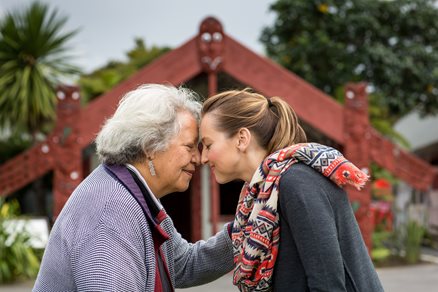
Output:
x,y
176,165
219,151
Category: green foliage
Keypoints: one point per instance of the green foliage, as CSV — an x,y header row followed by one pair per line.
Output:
x,y
381,250
380,116
390,44
414,236
32,60
378,172
399,247
12,146
404,242
383,120
17,258
105,78
430,238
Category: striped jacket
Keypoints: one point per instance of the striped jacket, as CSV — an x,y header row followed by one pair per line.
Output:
x,y
102,241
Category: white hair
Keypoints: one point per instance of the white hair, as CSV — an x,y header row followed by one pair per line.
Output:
x,y
145,122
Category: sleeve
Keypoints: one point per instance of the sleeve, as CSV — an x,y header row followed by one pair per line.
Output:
x,y
305,205
204,261
109,259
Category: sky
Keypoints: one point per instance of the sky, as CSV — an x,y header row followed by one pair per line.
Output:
x,y
107,28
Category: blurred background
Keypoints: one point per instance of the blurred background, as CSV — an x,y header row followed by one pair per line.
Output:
x,y
370,66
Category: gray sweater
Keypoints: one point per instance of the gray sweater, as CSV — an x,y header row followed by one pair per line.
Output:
x,y
321,248
101,241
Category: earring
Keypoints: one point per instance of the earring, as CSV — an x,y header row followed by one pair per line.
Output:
x,y
151,168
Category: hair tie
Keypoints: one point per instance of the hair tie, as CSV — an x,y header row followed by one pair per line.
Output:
x,y
270,104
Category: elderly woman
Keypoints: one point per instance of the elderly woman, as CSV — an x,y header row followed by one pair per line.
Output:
x,y
113,234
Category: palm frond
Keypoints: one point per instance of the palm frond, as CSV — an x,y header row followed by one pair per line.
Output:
x,y
33,59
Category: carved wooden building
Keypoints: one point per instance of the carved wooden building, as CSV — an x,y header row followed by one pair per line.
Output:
x,y
207,56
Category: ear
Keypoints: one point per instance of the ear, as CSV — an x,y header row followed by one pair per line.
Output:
x,y
243,139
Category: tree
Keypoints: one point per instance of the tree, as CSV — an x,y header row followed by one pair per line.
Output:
x,y
33,59
390,44
105,78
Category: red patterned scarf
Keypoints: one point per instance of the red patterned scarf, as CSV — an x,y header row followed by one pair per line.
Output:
x,y
256,230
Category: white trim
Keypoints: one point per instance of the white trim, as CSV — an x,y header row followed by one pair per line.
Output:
x,y
135,170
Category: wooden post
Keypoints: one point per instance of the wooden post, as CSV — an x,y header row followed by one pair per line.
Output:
x,y
195,207
68,152
214,186
357,150
211,49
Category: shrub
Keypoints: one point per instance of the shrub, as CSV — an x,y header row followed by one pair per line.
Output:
x,y
18,260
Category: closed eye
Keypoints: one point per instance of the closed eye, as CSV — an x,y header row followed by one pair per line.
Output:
x,y
205,145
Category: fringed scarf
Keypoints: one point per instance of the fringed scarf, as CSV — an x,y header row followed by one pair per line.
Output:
x,y
256,231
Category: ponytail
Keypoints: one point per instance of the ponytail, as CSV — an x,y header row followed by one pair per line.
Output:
x,y
272,121
287,130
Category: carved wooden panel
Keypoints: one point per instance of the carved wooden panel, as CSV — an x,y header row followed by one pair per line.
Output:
x,y
357,150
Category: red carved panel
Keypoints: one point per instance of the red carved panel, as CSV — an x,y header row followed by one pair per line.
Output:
x,y
400,163
174,67
25,168
211,45
413,170
382,151
267,77
357,150
68,153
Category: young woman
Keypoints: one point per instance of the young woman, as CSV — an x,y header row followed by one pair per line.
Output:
x,y
294,229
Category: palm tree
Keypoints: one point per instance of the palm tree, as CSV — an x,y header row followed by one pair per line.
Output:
x,y
33,59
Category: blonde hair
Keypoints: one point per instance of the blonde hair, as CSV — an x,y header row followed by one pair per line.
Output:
x,y
272,120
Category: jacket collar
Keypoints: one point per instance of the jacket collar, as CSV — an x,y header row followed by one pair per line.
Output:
x,y
122,174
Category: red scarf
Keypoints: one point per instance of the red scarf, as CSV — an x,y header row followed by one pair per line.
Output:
x,y
256,230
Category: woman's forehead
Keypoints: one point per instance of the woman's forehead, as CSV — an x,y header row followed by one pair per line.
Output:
x,y
189,130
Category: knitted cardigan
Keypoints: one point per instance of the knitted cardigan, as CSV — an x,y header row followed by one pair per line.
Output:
x,y
102,241
321,247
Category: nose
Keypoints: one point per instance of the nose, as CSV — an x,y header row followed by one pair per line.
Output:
x,y
196,158
204,158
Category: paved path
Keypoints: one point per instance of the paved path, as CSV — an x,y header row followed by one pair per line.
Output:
x,y
418,278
